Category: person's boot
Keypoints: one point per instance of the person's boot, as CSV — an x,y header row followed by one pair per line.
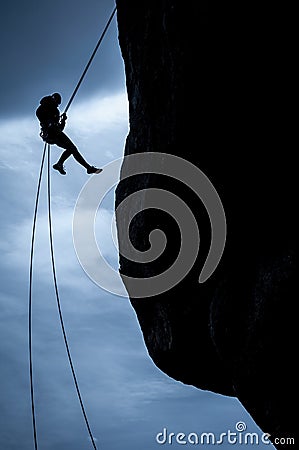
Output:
x,y
92,169
58,166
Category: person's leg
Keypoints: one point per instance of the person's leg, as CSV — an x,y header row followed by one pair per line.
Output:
x,y
63,141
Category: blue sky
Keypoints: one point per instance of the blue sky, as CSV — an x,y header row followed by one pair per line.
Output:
x,y
44,48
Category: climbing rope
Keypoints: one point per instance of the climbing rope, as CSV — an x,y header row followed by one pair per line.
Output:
x,y
59,305
57,300
33,412
90,61
30,297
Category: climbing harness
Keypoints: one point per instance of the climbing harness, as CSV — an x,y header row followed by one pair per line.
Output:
x,y
47,149
45,137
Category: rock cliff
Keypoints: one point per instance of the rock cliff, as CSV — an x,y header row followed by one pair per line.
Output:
x,y
216,90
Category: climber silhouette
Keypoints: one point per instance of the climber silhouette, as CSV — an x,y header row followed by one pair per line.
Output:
x,y
52,125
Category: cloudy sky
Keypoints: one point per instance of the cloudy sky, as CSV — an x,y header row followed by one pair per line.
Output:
x,y
44,48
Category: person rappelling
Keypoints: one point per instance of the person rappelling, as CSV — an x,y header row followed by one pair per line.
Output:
x,y
52,124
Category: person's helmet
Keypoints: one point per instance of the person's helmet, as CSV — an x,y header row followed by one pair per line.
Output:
x,y
56,97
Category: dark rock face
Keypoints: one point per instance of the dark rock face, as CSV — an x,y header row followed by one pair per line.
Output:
x,y
217,93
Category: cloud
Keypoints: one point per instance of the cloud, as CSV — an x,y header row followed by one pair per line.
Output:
x,y
100,114
19,144
15,247
96,125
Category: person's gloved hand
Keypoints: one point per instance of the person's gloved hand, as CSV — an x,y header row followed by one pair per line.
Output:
x,y
62,121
